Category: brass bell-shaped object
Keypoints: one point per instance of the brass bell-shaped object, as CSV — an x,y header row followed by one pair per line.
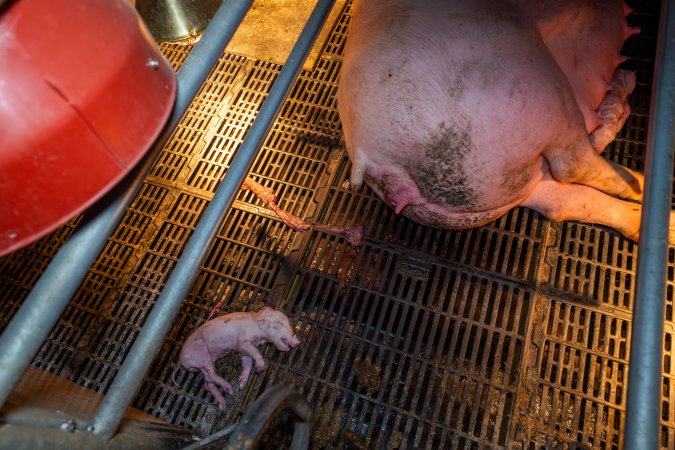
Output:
x,y
176,20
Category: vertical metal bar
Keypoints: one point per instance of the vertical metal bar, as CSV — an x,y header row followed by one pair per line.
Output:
x,y
147,344
38,314
643,405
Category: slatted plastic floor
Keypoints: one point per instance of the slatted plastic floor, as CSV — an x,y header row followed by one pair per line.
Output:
x,y
514,335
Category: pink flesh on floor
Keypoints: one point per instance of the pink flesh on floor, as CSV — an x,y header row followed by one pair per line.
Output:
x,y
354,234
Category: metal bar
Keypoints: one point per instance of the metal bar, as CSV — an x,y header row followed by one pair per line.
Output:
x,y
262,413
249,431
147,344
214,438
38,314
643,405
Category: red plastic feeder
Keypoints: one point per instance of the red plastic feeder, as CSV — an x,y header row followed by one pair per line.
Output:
x,y
84,92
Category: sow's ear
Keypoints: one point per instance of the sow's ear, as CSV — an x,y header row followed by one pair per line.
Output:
x,y
263,313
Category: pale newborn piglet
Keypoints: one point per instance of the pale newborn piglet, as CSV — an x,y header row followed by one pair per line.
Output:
x,y
240,332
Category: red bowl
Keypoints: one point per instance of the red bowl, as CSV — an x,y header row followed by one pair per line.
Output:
x,y
84,92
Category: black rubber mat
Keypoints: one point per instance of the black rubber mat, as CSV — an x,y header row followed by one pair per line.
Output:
x,y
513,335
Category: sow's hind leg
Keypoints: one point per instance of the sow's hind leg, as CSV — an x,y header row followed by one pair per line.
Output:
x,y
569,201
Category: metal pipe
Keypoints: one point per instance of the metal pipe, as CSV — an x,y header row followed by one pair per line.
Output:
x,y
212,439
258,417
147,344
643,404
38,314
267,407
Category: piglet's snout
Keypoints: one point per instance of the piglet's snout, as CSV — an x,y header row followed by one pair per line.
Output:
x,y
294,341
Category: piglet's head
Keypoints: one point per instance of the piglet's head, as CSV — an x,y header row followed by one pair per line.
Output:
x,y
277,329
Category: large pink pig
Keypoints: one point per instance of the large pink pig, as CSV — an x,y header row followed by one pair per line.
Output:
x,y
456,111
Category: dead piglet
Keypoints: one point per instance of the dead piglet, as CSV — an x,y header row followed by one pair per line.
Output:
x,y
241,332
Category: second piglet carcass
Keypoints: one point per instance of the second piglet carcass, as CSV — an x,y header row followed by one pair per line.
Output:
x,y
240,332
455,112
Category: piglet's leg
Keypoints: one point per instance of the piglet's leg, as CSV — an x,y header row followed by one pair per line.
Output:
x,y
246,364
213,389
210,376
251,351
565,201
614,109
